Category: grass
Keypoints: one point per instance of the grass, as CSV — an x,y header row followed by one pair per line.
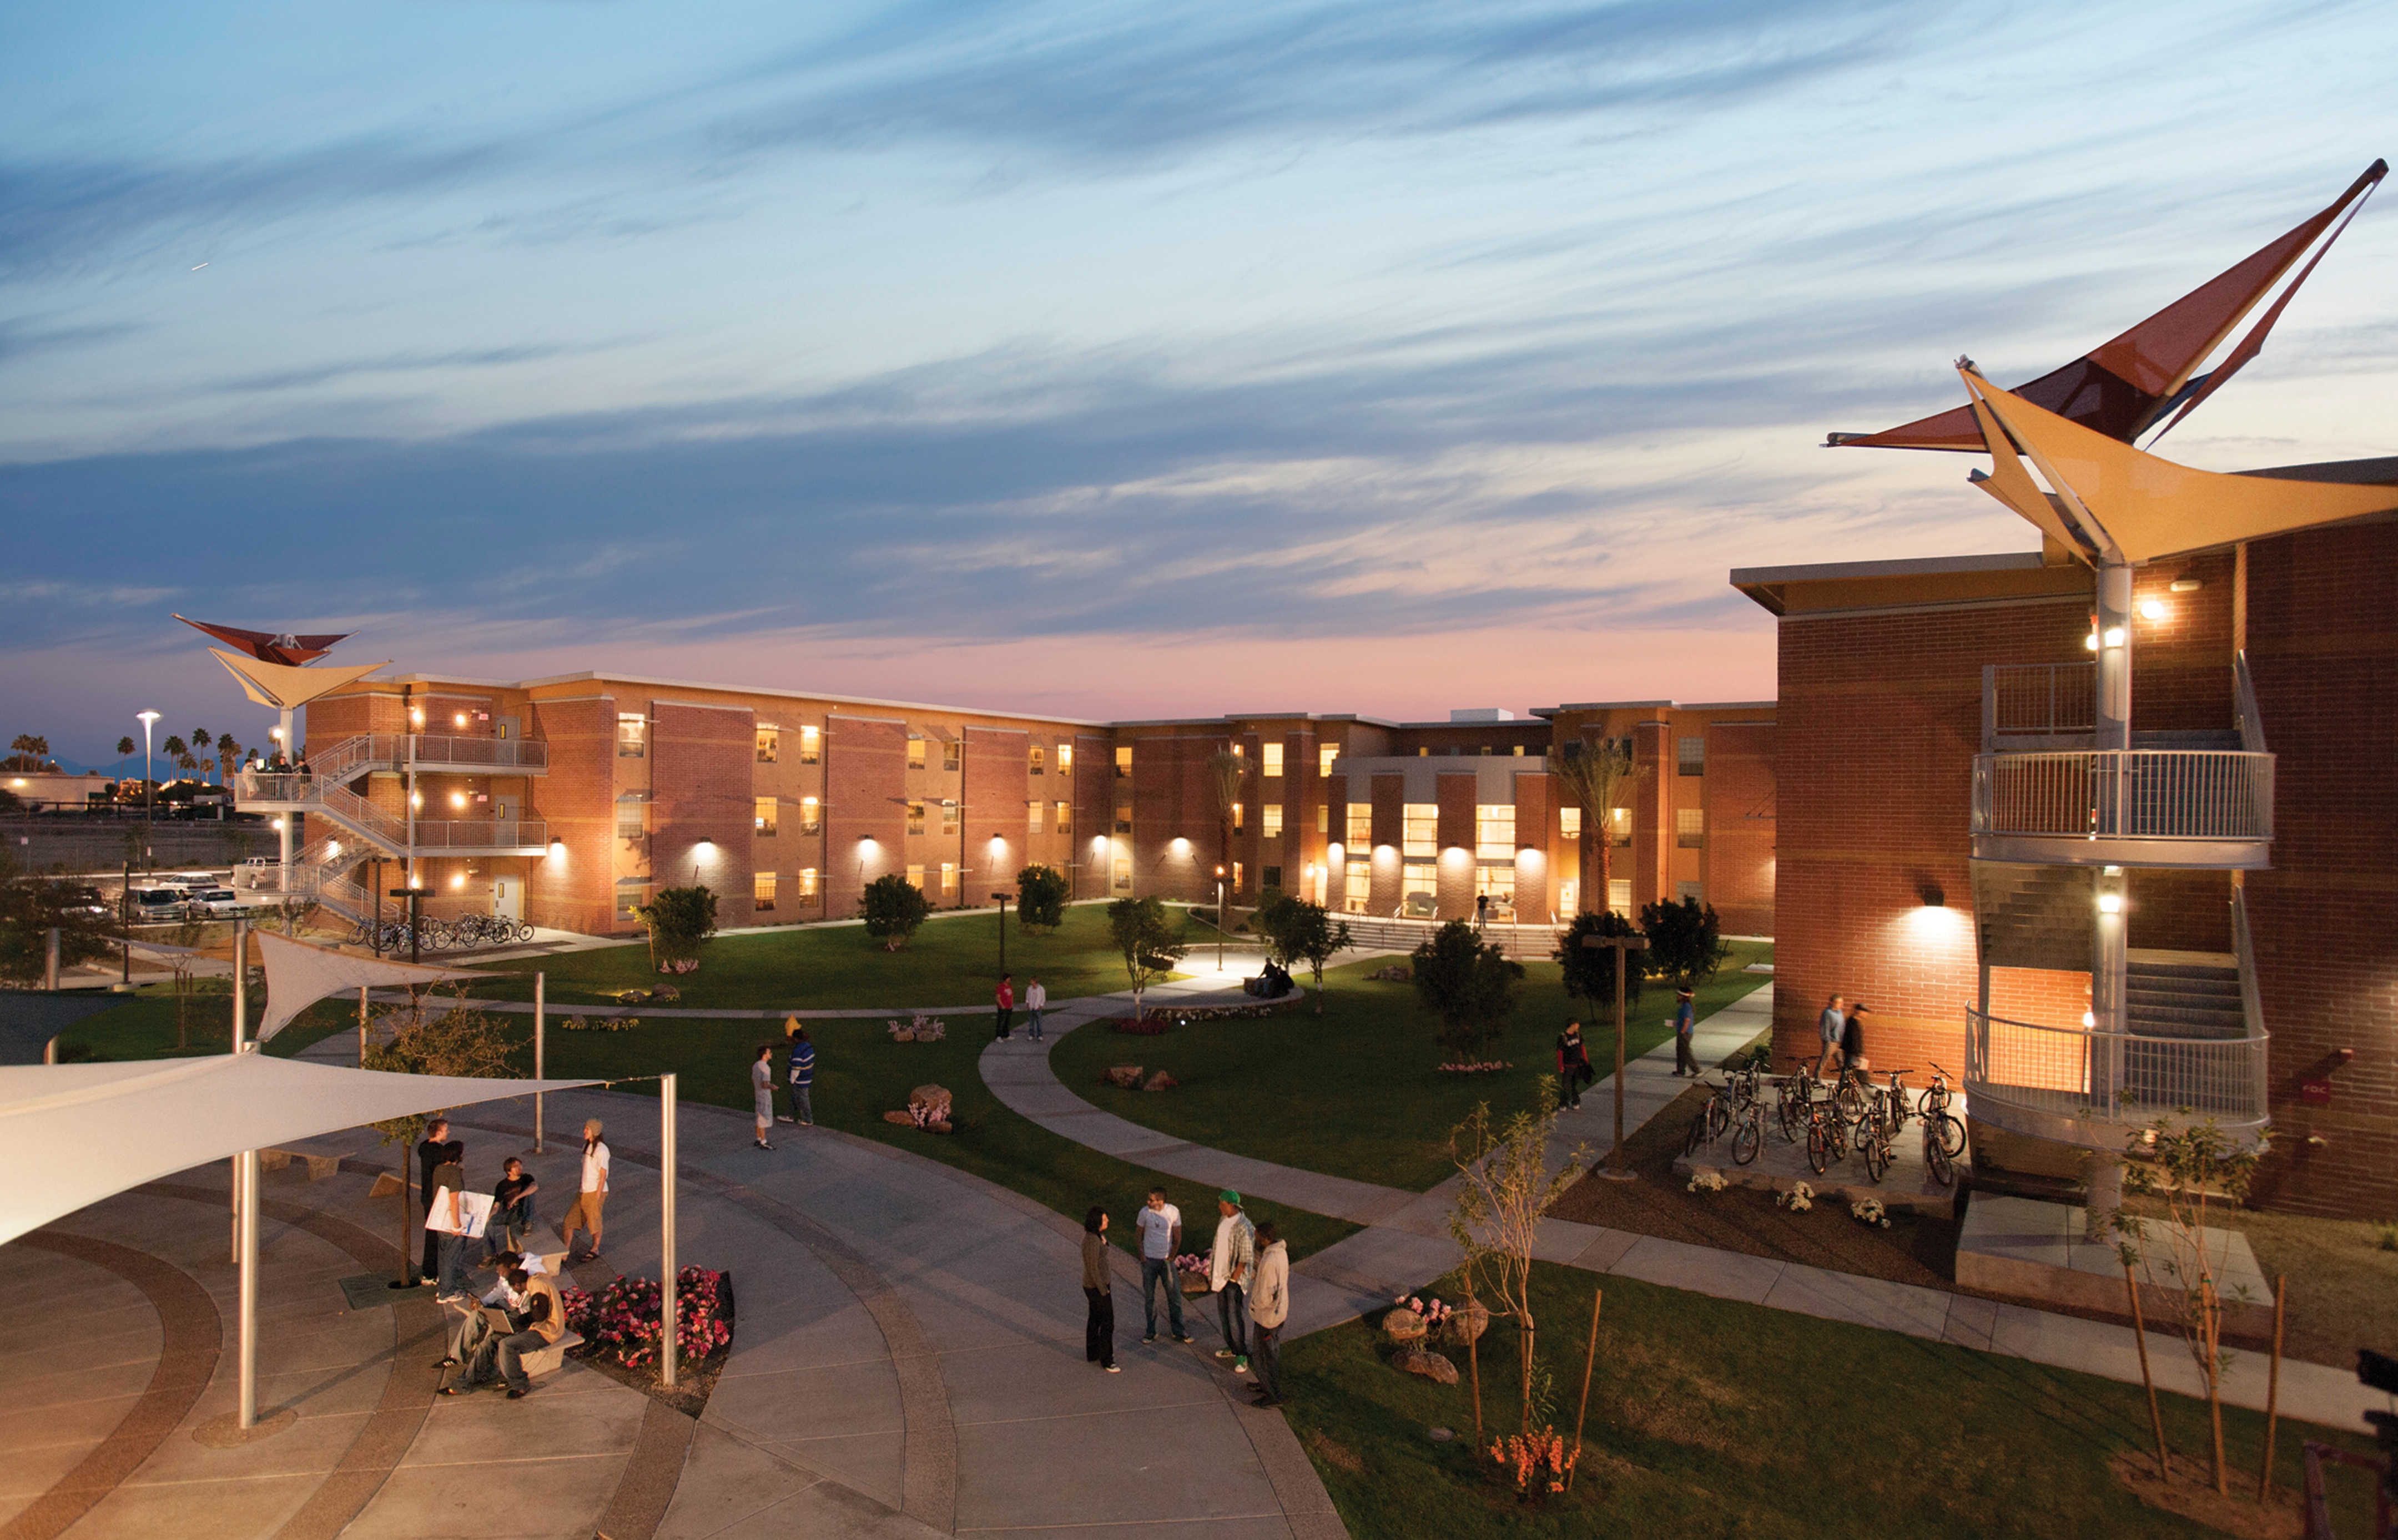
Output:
x,y
1712,1417
143,1026
1355,1092
2342,1289
951,961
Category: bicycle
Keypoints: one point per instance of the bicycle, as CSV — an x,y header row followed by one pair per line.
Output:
x,y
1827,1136
1747,1138
1873,1145
1797,1091
1708,1124
1938,1118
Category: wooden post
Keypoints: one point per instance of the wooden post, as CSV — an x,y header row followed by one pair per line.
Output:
x,y
1589,1361
1623,946
2272,1400
362,1027
2141,1335
540,1018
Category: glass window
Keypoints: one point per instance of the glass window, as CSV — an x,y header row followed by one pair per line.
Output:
x,y
1693,891
770,745
1691,755
1517,751
1272,875
948,816
1419,890
1273,811
1236,876
762,891
916,824
1497,885
1032,816
1361,825
632,735
1038,762
1124,760
1123,818
915,753
1690,828
1065,757
916,877
632,893
1324,818
1619,894
1420,829
1122,875
1570,823
1239,813
1065,812
1270,759
1324,755
810,745
807,882
1494,831
811,815
1359,886
1618,826
949,748
948,877
630,819
766,815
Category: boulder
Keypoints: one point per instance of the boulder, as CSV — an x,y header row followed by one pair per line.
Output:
x,y
1126,1076
900,1118
1466,1325
1401,1324
1160,1081
936,1099
1432,1366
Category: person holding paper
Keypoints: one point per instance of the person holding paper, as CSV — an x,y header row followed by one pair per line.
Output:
x,y
456,1216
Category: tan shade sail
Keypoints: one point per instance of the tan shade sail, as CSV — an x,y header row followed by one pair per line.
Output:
x,y
2140,507
298,976
284,688
72,1134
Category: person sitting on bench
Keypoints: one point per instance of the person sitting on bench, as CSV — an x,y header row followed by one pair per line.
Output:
x,y
544,1317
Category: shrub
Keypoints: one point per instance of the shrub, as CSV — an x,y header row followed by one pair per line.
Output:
x,y
621,1320
1040,899
1468,986
1685,941
1590,970
679,921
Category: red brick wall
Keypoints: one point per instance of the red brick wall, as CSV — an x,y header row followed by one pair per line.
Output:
x,y
575,890
1390,798
1094,779
2323,645
998,782
1738,864
2181,664
700,790
1648,862
1536,832
865,766
2042,997
1454,795
2177,911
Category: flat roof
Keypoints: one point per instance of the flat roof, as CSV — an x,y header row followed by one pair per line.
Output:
x,y
1912,584
598,676
1655,706
1905,566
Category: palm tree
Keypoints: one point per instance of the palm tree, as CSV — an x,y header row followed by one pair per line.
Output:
x,y
200,741
31,753
1599,773
228,757
125,747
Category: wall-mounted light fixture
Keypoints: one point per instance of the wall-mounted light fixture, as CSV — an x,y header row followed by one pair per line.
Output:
x,y
2114,635
2184,585
1932,895
2152,610
2110,904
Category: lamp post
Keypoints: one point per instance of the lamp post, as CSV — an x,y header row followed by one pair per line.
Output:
x,y
1219,919
1624,947
1002,899
413,895
149,787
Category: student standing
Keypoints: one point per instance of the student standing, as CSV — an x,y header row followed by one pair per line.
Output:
x,y
1230,1267
762,1092
1268,1308
1830,1026
445,1221
1005,1002
592,1198
1160,1224
1573,1063
1852,1042
1685,1023
1098,1292
1036,999
803,1066
434,1149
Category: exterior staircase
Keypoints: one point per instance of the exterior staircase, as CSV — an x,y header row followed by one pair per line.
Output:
x,y
2032,916
2183,995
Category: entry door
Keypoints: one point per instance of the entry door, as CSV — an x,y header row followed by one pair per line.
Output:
x,y
507,897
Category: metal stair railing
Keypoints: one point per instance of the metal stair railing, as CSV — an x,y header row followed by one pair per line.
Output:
x,y
2119,1078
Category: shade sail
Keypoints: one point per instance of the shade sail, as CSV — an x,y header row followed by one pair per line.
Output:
x,y
267,646
72,1134
288,689
298,976
2145,507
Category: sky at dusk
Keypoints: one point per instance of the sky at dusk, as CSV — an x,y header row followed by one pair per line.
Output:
x,y
1095,360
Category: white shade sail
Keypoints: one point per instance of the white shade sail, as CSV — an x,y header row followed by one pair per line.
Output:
x,y
298,976
72,1134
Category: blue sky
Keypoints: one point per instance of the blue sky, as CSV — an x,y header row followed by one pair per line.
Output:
x,y
1092,359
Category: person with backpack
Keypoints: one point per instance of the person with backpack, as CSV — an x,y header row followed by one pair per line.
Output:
x,y
1230,1266
1573,1064
801,1069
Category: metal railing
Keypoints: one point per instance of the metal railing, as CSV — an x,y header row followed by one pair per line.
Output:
x,y
2126,794
475,834
2118,1077
1535,943
2039,699
2250,723
392,751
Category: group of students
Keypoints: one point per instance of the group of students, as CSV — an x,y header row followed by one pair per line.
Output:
x,y
1574,1069
800,1081
1844,1030
1002,1002
1249,1271
520,1313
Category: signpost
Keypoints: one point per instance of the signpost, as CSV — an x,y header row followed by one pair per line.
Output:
x,y
1624,947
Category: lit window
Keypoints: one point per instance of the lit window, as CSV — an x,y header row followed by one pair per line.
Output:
x,y
1419,890
1037,762
948,877
1123,876
807,882
1494,831
948,816
1236,876
1323,758
1691,755
1124,761
1032,816
1570,823
1690,828
630,816
811,815
1123,818
1324,818
1270,762
1517,751
1065,812
1239,813
632,893
1273,811
766,815
949,755
1358,886
632,736
1361,825
1618,826
1240,751
1065,757
1420,829
1619,895
809,744
915,754
916,877
1497,885
916,825
762,891
1693,891
770,745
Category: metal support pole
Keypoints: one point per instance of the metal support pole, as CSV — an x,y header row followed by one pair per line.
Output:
x,y
248,1257
291,757
540,1044
50,961
362,1027
240,980
667,1365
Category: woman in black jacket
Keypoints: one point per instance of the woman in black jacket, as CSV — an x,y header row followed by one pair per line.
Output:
x,y
1099,1330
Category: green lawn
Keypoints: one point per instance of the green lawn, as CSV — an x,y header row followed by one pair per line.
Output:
x,y
951,962
143,1026
1355,1092
1709,1417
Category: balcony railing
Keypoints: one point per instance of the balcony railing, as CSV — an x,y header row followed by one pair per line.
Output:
x,y
2119,1079
480,834
2216,795
2038,700
394,751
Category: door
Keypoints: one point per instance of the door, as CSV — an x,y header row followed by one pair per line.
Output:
x,y
508,899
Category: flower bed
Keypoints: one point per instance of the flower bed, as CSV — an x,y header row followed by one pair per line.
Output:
x,y
600,1024
1869,1212
621,1322
1487,1066
1150,1025
1707,1180
922,1029
1798,1200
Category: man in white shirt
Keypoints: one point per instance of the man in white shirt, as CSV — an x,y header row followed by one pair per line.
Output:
x,y
590,1199
1229,1268
1160,1224
1268,1308
1036,999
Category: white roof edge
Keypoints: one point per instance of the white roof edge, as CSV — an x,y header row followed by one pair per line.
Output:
x,y
1909,566
599,676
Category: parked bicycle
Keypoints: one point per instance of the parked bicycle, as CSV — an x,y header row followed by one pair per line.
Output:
x,y
1750,1134
1709,1122
1828,1135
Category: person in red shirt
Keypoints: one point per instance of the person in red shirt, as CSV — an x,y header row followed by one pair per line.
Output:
x,y
1005,1001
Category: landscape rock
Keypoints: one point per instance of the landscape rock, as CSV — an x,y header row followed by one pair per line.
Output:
x,y
934,1099
899,1117
1432,1366
1466,1325
1160,1081
1126,1076
1396,974
1401,1324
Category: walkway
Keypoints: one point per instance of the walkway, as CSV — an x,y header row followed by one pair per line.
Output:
x,y
1405,1242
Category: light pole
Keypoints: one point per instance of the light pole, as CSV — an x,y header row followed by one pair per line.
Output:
x,y
1624,947
1219,919
149,787
1002,899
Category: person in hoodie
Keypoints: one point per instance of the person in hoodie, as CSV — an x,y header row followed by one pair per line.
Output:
x,y
1269,1308
1230,1268
1098,1292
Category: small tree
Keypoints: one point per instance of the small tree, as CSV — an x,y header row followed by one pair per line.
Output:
x,y
1599,773
1147,943
679,921
1040,899
893,907
1298,930
1504,1187
1685,941
1590,970
30,907
2185,1167
125,747
1471,986
460,1041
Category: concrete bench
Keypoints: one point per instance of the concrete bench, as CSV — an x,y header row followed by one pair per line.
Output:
x,y
318,1166
551,1358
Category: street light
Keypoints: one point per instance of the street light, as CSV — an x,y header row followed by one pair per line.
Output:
x,y
149,788
1002,899
1219,919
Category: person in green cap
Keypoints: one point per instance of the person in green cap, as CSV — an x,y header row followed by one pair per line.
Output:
x,y
1229,1270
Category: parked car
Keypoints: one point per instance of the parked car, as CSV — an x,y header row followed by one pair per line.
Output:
x,y
214,904
160,905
